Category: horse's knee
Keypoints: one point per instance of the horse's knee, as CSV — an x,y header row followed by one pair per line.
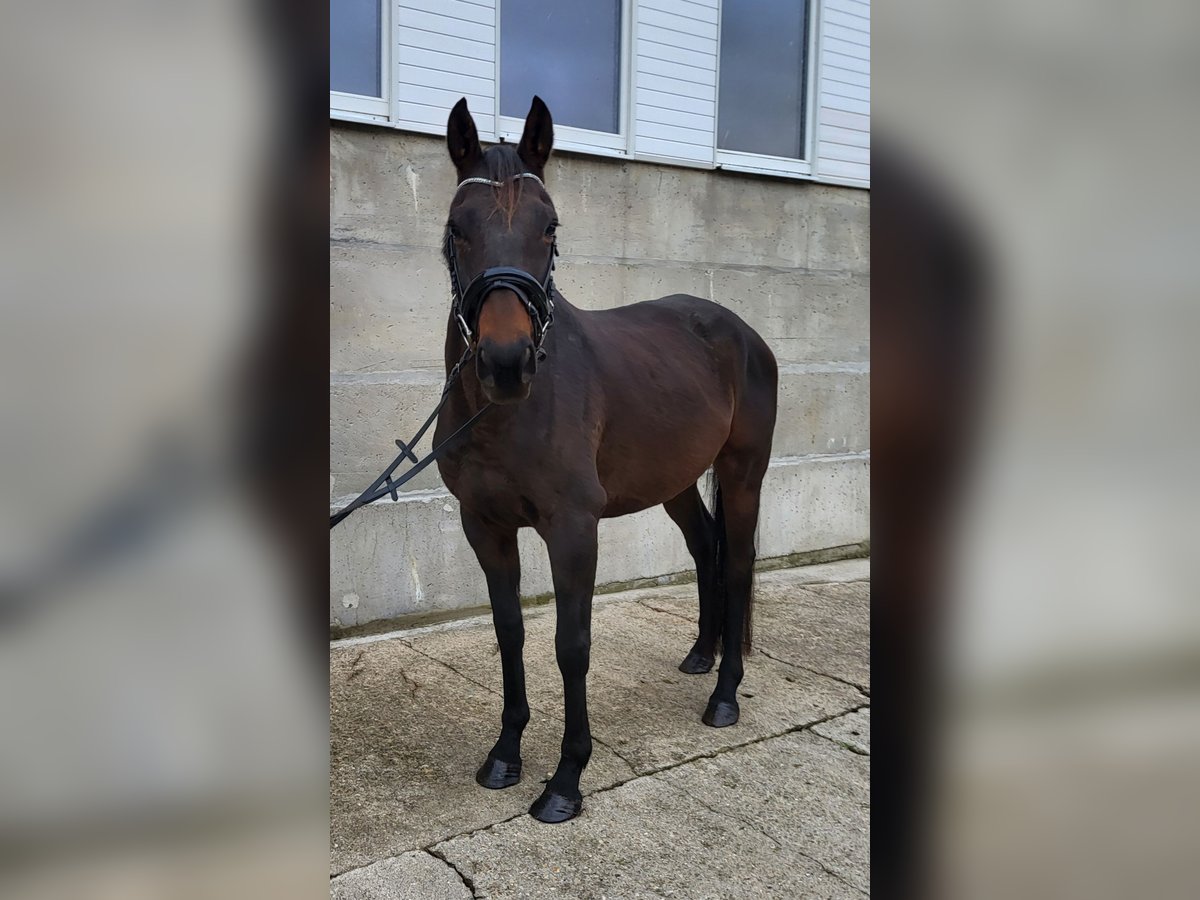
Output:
x,y
510,636
574,656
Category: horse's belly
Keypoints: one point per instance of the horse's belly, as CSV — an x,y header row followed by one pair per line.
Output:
x,y
657,465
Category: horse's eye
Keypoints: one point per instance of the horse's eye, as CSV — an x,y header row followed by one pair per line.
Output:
x,y
454,232
551,228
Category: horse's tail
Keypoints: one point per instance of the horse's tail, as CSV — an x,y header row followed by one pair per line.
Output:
x,y
721,559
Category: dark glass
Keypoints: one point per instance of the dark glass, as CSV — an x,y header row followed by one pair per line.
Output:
x,y
354,41
568,52
760,100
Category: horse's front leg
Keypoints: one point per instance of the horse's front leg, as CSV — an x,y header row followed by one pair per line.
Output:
x,y
572,547
496,550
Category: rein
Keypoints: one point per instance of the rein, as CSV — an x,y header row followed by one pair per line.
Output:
x,y
535,294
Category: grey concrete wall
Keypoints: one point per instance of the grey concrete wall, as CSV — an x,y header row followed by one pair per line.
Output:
x,y
791,258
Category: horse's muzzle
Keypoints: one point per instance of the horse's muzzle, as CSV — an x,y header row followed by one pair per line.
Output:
x,y
506,370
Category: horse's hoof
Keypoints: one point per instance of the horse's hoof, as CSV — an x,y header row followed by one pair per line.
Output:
x,y
496,774
552,807
695,664
720,714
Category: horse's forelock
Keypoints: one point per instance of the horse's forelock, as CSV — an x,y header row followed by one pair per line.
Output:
x,y
504,165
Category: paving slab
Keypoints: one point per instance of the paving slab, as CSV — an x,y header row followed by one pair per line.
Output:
x,y
643,839
827,630
411,876
639,703
821,627
810,795
775,806
852,731
406,737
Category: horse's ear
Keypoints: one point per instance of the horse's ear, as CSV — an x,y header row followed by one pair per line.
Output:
x,y
462,139
538,138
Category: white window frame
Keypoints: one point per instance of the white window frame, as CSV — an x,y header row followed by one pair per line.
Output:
x,y
384,110
373,110
761,163
584,140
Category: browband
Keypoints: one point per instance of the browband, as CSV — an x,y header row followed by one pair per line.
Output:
x,y
489,181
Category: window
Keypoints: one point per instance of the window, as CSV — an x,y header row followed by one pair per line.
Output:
x,y
761,105
357,58
568,53
725,84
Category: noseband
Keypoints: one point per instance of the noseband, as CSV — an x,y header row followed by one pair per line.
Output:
x,y
535,294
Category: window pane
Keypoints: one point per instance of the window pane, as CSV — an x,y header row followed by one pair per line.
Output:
x,y
568,53
761,101
354,42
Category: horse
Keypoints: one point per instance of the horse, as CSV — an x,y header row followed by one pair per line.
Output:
x,y
604,414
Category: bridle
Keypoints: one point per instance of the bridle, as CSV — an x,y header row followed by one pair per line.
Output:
x,y
535,294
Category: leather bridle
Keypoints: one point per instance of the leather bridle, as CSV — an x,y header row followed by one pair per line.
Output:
x,y
535,294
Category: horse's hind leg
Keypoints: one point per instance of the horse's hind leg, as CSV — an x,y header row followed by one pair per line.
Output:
x,y
740,475
688,512
501,563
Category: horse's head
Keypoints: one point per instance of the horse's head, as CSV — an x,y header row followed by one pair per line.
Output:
x,y
500,246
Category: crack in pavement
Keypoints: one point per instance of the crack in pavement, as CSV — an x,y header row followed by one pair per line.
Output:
x,y
725,814
468,883
843,744
436,849
787,662
435,659
667,612
532,706
759,648
713,754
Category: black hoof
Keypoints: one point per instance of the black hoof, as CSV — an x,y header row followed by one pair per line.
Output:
x,y
552,807
720,714
695,664
496,774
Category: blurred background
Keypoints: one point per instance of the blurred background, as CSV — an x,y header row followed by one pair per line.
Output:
x,y
1034,319
163,389
162,668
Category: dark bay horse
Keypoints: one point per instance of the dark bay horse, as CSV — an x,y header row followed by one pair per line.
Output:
x,y
616,411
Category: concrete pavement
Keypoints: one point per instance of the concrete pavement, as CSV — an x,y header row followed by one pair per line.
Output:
x,y
775,806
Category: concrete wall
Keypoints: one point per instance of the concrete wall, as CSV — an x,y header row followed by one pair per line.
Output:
x,y
791,258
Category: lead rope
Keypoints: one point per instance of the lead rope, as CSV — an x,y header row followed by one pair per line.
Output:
x,y
384,485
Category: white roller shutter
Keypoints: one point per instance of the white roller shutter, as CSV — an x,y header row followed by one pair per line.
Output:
x,y
843,94
446,49
674,83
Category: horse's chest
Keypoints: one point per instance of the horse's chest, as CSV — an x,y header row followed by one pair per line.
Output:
x,y
497,491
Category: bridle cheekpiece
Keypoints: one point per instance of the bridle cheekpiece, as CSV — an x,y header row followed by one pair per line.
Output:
x,y
536,295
